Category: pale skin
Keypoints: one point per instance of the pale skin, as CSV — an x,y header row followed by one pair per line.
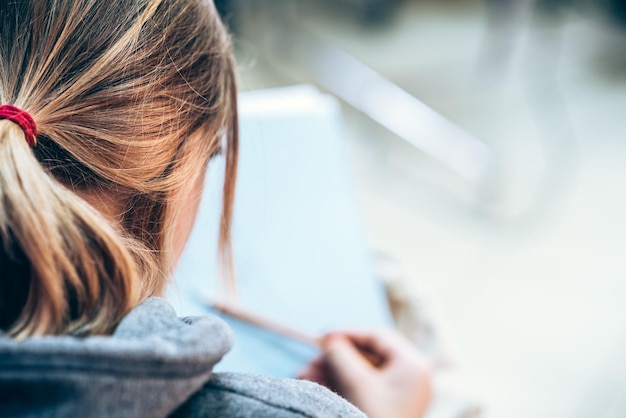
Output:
x,y
379,372
185,205
188,202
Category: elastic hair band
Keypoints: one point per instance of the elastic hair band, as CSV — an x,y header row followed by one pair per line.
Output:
x,y
23,119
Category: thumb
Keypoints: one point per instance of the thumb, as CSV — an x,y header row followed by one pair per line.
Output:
x,y
348,367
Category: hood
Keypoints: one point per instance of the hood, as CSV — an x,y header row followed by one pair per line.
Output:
x,y
152,364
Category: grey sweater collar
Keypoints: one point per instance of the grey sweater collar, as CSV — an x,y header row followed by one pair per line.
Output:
x,y
150,366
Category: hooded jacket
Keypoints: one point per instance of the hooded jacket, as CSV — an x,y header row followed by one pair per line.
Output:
x,y
154,365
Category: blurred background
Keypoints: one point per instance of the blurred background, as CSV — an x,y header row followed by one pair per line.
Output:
x,y
486,148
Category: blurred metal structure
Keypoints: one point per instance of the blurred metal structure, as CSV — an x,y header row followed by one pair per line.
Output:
x,y
400,112
300,53
377,97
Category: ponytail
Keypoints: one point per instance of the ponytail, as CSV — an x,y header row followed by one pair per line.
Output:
x,y
64,268
131,99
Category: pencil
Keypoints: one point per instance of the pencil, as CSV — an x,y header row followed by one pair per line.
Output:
x,y
240,314
254,319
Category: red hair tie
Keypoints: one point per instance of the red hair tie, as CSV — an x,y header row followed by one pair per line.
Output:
x,y
23,119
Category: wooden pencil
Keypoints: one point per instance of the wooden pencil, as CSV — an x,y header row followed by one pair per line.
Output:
x,y
254,319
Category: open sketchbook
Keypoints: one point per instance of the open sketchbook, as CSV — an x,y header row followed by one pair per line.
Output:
x,y
299,248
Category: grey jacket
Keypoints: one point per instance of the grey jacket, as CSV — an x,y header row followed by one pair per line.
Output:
x,y
154,365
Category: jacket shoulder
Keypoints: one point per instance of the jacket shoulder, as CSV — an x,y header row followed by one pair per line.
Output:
x,y
237,395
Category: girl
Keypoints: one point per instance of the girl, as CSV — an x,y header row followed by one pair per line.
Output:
x,y
110,112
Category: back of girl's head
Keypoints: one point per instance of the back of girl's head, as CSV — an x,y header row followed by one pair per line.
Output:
x,y
131,99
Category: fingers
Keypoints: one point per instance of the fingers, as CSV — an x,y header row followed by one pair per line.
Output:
x,y
398,387
347,365
384,344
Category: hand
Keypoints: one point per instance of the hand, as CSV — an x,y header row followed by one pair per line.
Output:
x,y
381,373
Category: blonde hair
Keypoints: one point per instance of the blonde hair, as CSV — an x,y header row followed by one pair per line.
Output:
x,y
131,99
